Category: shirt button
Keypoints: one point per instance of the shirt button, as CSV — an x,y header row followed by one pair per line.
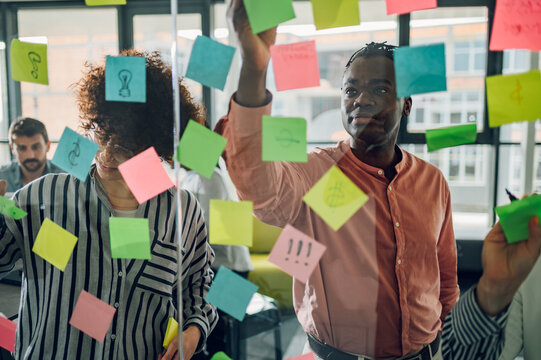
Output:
x,y
113,337
117,305
397,224
399,261
120,273
390,187
380,172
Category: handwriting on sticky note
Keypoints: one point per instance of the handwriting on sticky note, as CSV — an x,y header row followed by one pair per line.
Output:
x,y
451,136
92,316
29,62
266,14
284,139
295,65
404,7
296,253
336,13
104,2
130,238
125,79
8,331
231,293
75,154
517,25
54,244
231,222
171,332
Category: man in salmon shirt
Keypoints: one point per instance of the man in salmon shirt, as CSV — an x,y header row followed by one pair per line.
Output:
x,y
388,277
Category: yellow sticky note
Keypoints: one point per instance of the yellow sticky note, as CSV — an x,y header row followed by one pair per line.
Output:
x,y
335,13
104,2
231,222
54,244
335,198
171,332
29,62
513,98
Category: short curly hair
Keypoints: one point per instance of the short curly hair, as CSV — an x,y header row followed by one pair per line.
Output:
x,y
136,126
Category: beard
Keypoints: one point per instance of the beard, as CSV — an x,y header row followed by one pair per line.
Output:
x,y
32,165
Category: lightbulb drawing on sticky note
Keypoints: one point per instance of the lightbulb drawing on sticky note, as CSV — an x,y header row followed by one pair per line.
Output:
x,y
125,78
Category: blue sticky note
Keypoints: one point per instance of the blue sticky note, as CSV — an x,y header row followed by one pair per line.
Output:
x,y
125,79
420,69
231,293
75,153
210,62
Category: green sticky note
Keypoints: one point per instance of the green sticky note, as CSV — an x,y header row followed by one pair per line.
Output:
x,y
170,332
29,62
8,208
220,355
231,222
266,14
284,139
335,13
130,238
450,136
335,198
54,244
513,98
200,148
104,2
515,216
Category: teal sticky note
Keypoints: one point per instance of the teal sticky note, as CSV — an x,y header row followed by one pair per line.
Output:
x,y
231,293
266,14
284,139
515,216
420,69
451,136
130,238
210,62
75,154
125,79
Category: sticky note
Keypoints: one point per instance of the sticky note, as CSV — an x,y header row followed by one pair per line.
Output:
x,y
231,293
75,153
335,198
284,139
125,79
92,316
266,14
29,62
512,98
145,175
8,208
171,332
200,148
295,65
130,238
515,216
220,355
210,62
451,136
8,330
517,25
54,244
296,253
404,7
104,2
420,69
309,356
335,13
231,222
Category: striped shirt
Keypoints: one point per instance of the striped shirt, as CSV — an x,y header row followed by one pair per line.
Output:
x,y
142,291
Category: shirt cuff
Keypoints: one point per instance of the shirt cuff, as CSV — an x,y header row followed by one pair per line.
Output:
x,y
268,99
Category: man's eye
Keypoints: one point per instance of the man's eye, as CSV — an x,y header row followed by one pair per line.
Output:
x,y
350,91
381,90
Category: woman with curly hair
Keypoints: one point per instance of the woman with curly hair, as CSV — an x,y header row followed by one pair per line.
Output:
x,y
141,291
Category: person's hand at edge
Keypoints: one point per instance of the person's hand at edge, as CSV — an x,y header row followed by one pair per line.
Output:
x,y
3,187
190,339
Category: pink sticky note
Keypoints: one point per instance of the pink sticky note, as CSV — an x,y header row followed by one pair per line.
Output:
x,y
309,356
404,7
517,25
92,316
7,334
145,175
296,253
295,65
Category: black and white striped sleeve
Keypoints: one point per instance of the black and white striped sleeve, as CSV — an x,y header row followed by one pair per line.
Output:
x,y
10,245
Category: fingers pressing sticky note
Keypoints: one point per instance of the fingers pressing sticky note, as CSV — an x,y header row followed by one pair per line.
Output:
x,y
335,13
75,154
200,148
220,355
296,253
516,25
130,238
515,216
92,316
404,7
171,332
210,62
231,293
512,98
420,69
451,136
284,139
54,244
29,62
266,14
145,175
335,198
8,208
7,334
295,65
104,2
231,222
125,79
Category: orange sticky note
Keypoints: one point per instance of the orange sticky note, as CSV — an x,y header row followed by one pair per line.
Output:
x,y
407,6
92,316
517,25
295,65
8,330
145,175
54,244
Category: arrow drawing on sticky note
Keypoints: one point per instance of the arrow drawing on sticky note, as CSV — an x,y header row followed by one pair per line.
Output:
x,y
285,139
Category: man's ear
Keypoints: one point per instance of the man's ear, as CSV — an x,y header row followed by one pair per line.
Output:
x,y
407,106
47,146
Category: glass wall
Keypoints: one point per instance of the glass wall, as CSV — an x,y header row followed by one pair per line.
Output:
x,y
4,121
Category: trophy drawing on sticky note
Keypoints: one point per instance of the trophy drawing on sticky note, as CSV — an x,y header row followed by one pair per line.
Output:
x,y
125,77
35,59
